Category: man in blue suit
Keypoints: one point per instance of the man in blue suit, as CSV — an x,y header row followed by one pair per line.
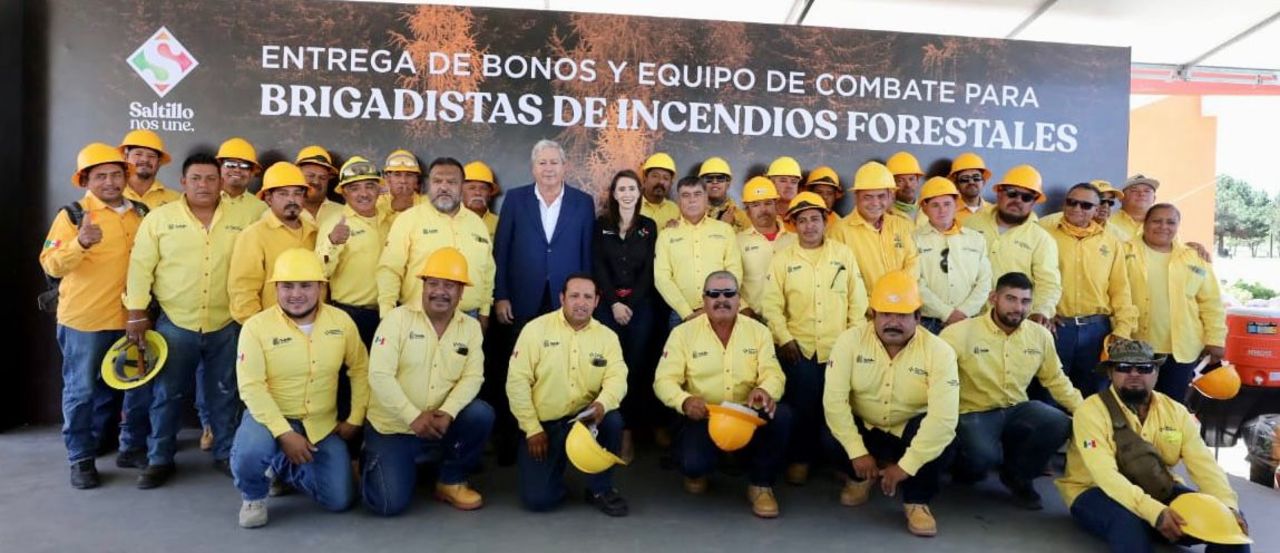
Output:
x,y
544,235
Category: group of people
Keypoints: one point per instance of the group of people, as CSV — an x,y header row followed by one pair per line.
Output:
x,y
332,348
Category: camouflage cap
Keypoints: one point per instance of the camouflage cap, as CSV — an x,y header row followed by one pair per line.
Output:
x,y
1131,352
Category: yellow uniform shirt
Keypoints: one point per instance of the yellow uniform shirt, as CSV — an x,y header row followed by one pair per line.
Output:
x,y
662,213
1094,280
284,373
246,202
832,219
1196,316
695,363
757,251
329,211
814,295
878,252
412,370
415,235
184,265
93,280
490,222
740,222
254,259
966,280
1051,220
348,265
1027,249
963,211
155,196
863,382
1091,458
996,368
911,212
384,205
1159,331
1127,228
686,254
557,371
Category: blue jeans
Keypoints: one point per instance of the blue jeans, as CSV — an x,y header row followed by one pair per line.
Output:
x,y
697,454
640,409
805,381
83,390
173,388
1124,531
932,324
1079,348
390,464
326,479
542,482
920,487
1020,439
1175,379
135,424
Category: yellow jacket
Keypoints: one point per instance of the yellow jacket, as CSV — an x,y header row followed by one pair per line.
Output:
x,y
662,213
184,265
93,280
557,371
966,282
1094,280
1027,249
741,221
1051,220
686,254
253,207
157,195
491,222
1197,316
878,252
329,211
996,368
1091,457
416,234
347,265
757,251
963,213
254,259
814,295
1127,228
412,371
695,364
863,382
285,374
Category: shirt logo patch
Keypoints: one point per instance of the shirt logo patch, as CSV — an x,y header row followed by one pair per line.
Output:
x,y
240,358
978,350
415,336
750,351
1197,270
279,341
794,268
550,343
235,228
51,244
380,341
1104,250
176,226
917,371
699,354
1031,351
860,359
333,332
1089,444
429,231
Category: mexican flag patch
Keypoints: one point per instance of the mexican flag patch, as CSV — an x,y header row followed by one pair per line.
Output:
x,y
51,244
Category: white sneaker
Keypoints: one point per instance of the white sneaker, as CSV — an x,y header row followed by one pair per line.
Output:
x,y
253,514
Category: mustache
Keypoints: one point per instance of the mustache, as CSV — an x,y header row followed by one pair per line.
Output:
x,y
892,330
721,305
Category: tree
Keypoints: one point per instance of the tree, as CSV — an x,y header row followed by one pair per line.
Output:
x,y
1243,214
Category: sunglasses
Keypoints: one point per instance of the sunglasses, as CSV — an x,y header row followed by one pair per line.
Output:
x,y
360,170
969,179
1014,194
1080,204
716,178
233,164
1126,368
716,294
945,266
1109,203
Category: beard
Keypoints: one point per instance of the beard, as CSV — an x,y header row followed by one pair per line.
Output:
x,y
1011,219
1132,397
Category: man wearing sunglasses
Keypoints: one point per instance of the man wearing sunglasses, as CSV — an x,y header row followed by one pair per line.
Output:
x,y
1016,244
955,274
1110,198
724,356
238,164
698,246
879,237
715,173
1108,499
970,174
1096,302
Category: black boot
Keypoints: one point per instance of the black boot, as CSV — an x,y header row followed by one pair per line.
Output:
x,y
84,475
154,476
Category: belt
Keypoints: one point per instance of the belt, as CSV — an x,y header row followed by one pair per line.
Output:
x,y
349,306
1083,321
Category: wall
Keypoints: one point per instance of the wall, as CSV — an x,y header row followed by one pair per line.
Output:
x,y
1172,142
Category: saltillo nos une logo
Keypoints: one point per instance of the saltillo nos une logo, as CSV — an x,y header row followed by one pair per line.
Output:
x,y
162,62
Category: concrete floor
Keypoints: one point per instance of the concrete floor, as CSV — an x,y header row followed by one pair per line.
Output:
x,y
196,512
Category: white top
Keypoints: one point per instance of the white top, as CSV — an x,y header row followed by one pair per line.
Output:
x,y
306,329
550,213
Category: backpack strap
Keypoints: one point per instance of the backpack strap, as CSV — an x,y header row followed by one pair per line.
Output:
x,y
75,212
1118,420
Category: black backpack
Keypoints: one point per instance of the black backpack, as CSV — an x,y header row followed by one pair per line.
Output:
x,y
48,300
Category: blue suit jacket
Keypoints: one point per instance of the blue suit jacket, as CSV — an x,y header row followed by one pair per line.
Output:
x,y
527,262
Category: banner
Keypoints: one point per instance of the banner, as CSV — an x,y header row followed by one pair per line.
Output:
x,y
470,83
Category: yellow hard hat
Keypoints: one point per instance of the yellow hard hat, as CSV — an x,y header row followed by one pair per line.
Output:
x,y
938,186
239,148
479,171
803,201
715,166
95,154
1024,176
785,166
402,160
298,265
966,161
731,426
759,189
1221,382
895,292
659,160
873,175
146,139
1106,188
1208,519
317,155
122,369
903,163
358,169
447,263
586,454
281,174
823,175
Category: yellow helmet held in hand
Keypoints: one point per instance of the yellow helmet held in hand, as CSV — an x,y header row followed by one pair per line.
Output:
x,y
1208,519
281,174
447,263
145,139
402,160
714,166
586,454
803,201
938,186
298,265
873,175
903,163
785,166
124,369
358,169
1221,382
479,171
1026,177
316,155
95,154
239,148
966,161
731,426
759,189
895,292
660,160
